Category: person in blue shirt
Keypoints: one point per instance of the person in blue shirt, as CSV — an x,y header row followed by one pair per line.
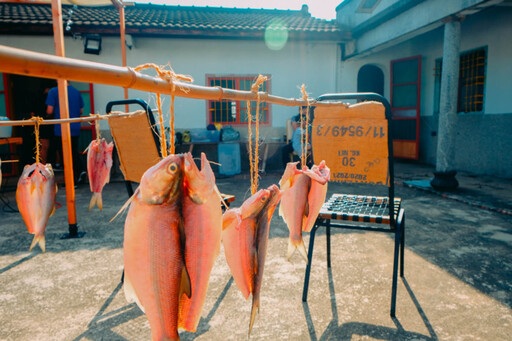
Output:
x,y
76,107
299,138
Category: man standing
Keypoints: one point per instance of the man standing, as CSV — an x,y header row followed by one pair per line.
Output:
x,y
76,108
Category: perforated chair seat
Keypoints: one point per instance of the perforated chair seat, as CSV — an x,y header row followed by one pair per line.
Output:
x,y
360,208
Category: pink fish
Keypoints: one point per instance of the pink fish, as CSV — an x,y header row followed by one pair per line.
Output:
x,y
35,196
320,176
245,238
304,193
202,215
155,275
99,162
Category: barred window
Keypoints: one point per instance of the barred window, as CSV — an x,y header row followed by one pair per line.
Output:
x,y
471,81
235,112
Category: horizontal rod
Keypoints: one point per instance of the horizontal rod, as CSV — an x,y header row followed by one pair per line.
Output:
x,y
68,120
29,63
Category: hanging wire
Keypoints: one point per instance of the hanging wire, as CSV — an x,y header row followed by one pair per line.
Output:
x,y
37,121
253,160
171,77
304,144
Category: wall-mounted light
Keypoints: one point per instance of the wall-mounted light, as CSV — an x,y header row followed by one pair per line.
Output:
x,y
92,44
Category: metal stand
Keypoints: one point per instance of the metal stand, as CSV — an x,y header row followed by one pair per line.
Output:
x,y
73,232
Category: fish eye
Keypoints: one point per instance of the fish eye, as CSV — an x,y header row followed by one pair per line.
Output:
x,y
173,168
264,198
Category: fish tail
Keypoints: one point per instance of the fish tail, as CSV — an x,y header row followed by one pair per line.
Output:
x,y
38,240
96,200
296,246
254,310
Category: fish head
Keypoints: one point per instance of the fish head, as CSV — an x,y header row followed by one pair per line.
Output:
x,y
37,176
275,195
255,203
161,183
199,184
320,173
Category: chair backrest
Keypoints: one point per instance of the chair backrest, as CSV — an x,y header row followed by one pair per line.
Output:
x,y
355,140
135,139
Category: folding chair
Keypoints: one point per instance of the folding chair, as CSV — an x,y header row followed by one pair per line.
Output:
x,y
136,141
356,143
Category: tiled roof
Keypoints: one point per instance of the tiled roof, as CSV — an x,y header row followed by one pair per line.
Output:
x,y
17,18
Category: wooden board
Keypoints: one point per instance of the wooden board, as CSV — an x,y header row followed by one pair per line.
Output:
x,y
353,141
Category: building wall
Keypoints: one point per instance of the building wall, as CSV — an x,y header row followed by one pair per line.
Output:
x,y
483,139
309,63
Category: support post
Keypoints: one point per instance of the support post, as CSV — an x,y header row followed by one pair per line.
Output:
x,y
444,176
65,127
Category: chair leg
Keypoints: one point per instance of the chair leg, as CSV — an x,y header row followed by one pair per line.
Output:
x,y
328,237
398,236
308,267
402,246
129,188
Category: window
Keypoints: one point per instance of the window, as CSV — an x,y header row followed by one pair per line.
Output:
x,y
235,112
471,81
367,6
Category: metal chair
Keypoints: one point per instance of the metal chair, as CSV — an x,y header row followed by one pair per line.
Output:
x,y
360,211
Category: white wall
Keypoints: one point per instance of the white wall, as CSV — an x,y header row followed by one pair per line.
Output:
x,y
311,63
491,28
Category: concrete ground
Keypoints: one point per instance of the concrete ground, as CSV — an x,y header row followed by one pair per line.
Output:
x,y
457,284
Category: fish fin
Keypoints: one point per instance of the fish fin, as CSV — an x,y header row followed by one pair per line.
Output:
x,y
53,210
185,287
93,201
290,251
38,240
300,247
302,250
254,310
129,293
126,204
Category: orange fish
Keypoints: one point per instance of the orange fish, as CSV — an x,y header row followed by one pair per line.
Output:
x,y
245,238
155,275
304,193
35,196
202,215
99,162
320,176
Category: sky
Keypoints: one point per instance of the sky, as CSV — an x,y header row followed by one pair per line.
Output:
x,y
322,9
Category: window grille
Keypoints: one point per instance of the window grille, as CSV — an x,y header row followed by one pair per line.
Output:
x,y
471,81
235,112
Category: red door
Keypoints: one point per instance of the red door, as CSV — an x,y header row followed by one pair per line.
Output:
x,y
405,106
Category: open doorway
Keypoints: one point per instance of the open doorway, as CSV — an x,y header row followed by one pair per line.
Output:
x,y
370,78
27,97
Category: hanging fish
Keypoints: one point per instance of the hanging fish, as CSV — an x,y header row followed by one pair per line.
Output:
x,y
304,193
35,196
155,273
202,215
99,162
320,176
245,238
